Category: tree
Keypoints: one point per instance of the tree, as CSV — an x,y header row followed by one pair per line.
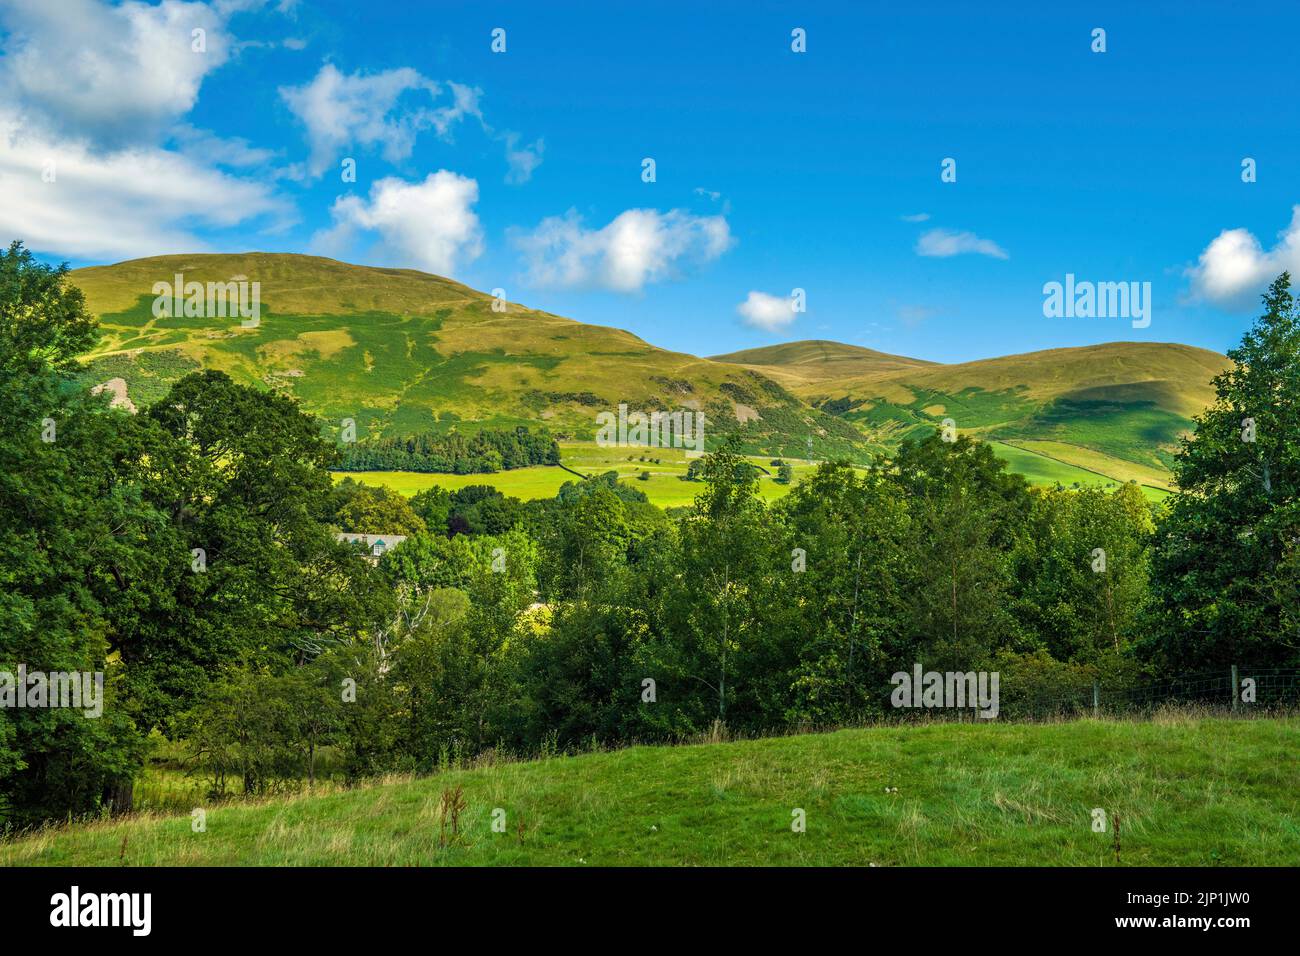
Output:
x,y
260,578
376,511
73,518
1084,571
851,531
727,549
584,543
968,514
1224,546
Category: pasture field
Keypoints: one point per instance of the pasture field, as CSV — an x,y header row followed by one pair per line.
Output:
x,y
664,487
1189,791
1039,463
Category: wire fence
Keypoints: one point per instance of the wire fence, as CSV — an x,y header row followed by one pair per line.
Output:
x,y
1241,690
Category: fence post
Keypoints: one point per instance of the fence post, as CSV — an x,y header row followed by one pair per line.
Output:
x,y
1236,684
1096,698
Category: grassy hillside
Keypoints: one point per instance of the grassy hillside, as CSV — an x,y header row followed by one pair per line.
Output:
x,y
1188,792
802,363
1117,409
400,351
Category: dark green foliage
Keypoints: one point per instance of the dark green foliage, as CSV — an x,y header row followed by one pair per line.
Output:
x,y
1226,551
488,451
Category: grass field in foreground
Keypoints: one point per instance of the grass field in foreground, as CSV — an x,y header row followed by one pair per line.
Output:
x,y
1188,792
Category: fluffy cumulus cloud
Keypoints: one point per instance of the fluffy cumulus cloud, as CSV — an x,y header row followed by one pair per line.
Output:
x,y
639,247
65,198
114,74
430,225
91,101
343,110
1235,267
772,313
942,243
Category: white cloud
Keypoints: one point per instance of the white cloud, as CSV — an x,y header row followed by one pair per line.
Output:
x,y
768,312
91,94
389,110
943,243
429,225
638,247
521,161
123,204
917,217
363,109
1235,267
112,74
204,147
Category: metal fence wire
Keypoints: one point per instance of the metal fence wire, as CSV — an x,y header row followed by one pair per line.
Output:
x,y
1238,689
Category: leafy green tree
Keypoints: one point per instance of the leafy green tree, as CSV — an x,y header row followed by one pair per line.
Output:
x,y
482,509
433,506
851,532
1224,547
585,542
728,552
968,515
74,517
262,580
1085,571
376,511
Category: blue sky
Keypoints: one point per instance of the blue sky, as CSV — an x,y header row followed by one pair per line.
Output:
x,y
775,170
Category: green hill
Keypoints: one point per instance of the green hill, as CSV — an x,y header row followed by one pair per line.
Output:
x,y
1221,793
400,352
802,363
1117,408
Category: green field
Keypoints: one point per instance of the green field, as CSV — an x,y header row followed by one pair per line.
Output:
x,y
1040,469
1188,792
664,487
1117,408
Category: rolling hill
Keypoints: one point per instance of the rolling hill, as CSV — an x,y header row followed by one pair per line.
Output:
x,y
400,351
796,364
1117,409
